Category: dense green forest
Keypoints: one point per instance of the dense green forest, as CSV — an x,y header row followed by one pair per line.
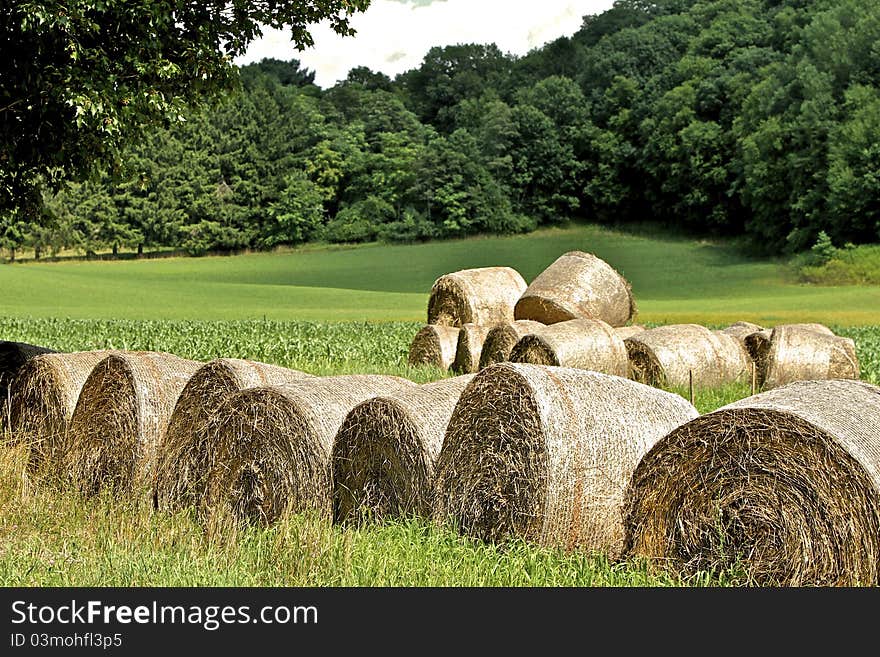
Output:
x,y
735,117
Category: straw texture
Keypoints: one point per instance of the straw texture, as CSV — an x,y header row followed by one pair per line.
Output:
x,y
386,451
545,453
501,340
434,345
120,420
43,396
469,348
475,296
273,445
784,485
587,344
667,355
183,455
794,353
13,355
578,285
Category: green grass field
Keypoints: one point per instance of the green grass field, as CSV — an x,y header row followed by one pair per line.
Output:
x,y
674,280
330,311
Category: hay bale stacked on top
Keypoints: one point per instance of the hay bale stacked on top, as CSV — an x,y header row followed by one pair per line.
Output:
x,y
784,484
578,285
386,450
545,454
43,396
588,344
797,352
484,296
479,299
272,446
501,340
186,449
670,355
120,420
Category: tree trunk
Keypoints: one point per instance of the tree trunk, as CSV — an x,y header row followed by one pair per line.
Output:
x,y
37,252
115,250
12,254
140,250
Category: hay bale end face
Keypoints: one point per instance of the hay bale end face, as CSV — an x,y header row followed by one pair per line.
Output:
x,y
434,345
120,420
484,296
742,330
501,340
578,285
43,396
783,486
545,454
469,348
13,356
587,344
186,451
669,355
800,354
385,452
273,445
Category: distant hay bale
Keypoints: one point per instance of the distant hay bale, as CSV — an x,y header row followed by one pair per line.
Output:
x,y
434,345
545,453
501,340
587,344
13,356
120,420
43,396
624,332
469,348
273,445
742,330
667,355
186,449
385,452
578,285
758,343
794,353
784,485
475,296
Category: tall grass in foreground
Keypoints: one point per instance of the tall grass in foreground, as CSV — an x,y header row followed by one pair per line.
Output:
x,y
50,538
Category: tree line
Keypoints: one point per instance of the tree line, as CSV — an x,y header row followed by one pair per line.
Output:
x,y
736,117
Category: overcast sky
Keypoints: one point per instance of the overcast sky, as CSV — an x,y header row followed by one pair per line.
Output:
x,y
394,35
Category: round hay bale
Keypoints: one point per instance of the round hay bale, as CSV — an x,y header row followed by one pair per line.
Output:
x,y
578,285
186,449
665,356
13,355
545,453
475,296
783,486
624,332
758,343
386,450
434,345
588,344
43,396
469,348
273,445
742,330
799,354
120,420
501,340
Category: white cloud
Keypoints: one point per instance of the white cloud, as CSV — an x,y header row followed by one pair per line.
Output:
x,y
394,35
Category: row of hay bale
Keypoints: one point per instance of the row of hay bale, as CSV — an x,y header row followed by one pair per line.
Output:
x,y
574,314
784,485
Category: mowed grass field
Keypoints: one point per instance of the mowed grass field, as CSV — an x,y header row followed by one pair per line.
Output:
x,y
674,280
335,311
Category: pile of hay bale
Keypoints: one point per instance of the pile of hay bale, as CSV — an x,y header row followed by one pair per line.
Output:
x,y
554,432
578,313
